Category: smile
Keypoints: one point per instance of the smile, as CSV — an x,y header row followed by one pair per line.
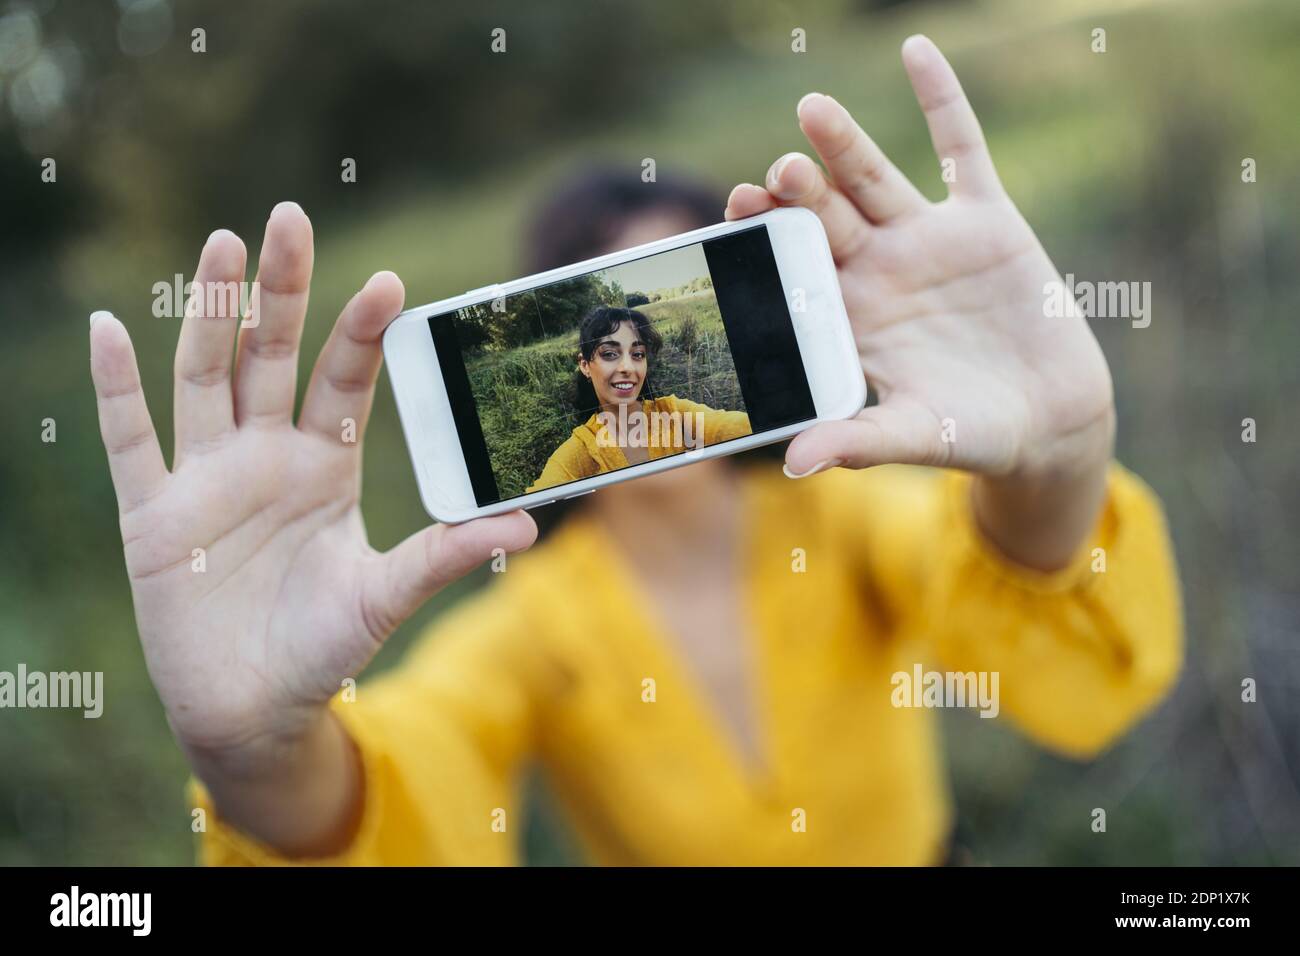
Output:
x,y
624,387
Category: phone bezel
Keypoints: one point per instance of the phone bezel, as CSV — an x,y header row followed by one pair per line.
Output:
x,y
822,330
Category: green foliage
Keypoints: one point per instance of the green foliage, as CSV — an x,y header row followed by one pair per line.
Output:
x,y
525,405
700,284
552,311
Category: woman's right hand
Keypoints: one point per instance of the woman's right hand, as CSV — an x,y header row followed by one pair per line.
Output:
x,y
256,593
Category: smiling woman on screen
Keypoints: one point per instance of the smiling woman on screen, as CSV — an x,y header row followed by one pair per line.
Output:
x,y
616,348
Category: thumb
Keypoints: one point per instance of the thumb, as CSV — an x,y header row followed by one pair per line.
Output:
x,y
426,562
880,435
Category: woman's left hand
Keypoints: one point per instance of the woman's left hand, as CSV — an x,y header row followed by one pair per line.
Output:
x,y
946,301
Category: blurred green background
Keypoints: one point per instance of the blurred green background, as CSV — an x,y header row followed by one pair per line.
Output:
x,y
1127,163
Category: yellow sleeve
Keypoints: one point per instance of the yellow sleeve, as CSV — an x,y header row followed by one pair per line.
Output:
x,y
567,463
440,737
1081,653
718,425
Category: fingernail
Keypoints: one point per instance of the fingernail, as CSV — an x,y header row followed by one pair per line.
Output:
x,y
806,97
913,40
99,314
820,466
774,174
731,196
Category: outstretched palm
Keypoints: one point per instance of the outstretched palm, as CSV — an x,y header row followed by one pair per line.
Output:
x,y
946,300
256,593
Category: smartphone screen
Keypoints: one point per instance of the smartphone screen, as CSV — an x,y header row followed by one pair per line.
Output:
x,y
656,356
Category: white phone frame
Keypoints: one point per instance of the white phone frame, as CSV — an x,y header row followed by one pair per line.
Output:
x,y
825,339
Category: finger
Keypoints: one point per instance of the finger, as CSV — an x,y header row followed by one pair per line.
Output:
x,y
748,200
880,435
954,130
203,406
342,385
134,458
429,560
795,180
266,366
855,163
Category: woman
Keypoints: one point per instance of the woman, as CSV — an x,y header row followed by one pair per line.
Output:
x,y
616,347
720,686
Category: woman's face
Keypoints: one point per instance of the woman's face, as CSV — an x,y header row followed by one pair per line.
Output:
x,y
674,487
617,368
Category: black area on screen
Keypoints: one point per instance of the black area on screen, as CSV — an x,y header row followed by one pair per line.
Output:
x,y
464,411
759,331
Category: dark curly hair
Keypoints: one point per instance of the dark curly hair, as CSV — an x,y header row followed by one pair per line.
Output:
x,y
597,324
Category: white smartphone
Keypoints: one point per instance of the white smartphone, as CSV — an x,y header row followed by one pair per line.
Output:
x,y
696,346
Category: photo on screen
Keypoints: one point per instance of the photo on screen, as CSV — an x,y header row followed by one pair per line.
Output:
x,y
654,343
636,362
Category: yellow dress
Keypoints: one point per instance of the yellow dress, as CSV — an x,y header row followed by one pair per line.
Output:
x,y
590,451
894,575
